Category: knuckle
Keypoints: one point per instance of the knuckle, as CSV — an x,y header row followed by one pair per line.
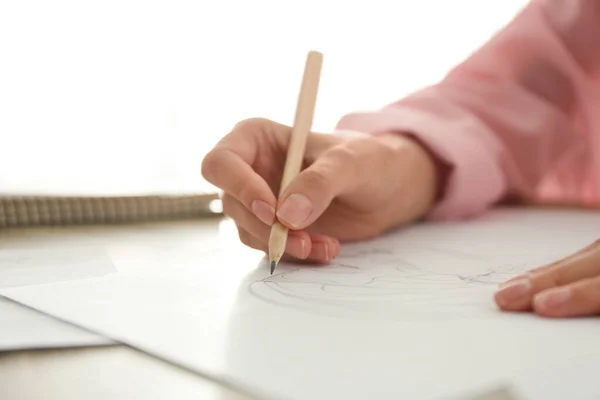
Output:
x,y
210,165
558,276
345,155
251,123
318,179
398,149
547,278
206,165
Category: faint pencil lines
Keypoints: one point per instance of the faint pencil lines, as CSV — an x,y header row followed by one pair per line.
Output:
x,y
387,283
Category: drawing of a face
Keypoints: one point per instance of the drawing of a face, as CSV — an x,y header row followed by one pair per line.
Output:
x,y
378,282
439,271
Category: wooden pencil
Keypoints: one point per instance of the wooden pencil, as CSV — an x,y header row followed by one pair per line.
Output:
x,y
303,121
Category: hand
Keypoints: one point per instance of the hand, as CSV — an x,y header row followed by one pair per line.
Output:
x,y
569,287
350,188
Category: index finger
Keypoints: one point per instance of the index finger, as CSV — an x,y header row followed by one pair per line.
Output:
x,y
229,167
517,295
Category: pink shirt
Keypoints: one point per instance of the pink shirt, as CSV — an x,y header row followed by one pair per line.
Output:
x,y
520,118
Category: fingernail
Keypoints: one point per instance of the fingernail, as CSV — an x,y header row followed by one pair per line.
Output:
x,y
336,249
513,291
295,210
263,211
553,298
321,251
296,246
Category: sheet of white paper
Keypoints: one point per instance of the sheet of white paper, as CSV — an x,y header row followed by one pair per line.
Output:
x,y
409,315
24,328
32,266
575,379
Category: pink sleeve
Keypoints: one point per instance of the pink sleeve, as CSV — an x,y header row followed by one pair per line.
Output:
x,y
517,118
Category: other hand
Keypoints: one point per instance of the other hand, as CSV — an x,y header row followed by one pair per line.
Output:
x,y
350,188
570,287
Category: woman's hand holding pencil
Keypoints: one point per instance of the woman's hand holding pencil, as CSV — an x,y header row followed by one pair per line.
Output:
x,y
350,188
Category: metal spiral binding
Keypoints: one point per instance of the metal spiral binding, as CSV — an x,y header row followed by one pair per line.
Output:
x,y
27,211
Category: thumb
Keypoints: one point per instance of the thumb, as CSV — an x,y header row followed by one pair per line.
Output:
x,y
307,196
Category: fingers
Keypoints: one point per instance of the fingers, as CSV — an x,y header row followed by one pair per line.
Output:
x,y
229,167
336,172
323,248
581,298
226,170
564,261
518,277
300,244
528,291
295,246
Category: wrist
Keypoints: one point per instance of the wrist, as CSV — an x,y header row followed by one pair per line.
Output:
x,y
429,174
441,170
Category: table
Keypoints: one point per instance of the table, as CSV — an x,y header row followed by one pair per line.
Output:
x,y
118,371
109,372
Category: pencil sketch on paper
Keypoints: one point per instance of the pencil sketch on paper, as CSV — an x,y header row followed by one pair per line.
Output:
x,y
394,279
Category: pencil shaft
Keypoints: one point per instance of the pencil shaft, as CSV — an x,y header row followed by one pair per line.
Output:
x,y
303,120
305,110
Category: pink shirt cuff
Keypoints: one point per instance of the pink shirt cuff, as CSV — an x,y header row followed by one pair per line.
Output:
x,y
475,179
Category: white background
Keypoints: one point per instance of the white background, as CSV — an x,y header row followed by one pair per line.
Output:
x,y
128,96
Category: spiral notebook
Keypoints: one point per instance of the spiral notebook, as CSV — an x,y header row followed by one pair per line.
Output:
x,y
48,210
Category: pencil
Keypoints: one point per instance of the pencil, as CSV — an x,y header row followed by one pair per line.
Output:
x,y
305,110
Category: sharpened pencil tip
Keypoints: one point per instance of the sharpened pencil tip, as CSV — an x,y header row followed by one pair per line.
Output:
x,y
273,265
